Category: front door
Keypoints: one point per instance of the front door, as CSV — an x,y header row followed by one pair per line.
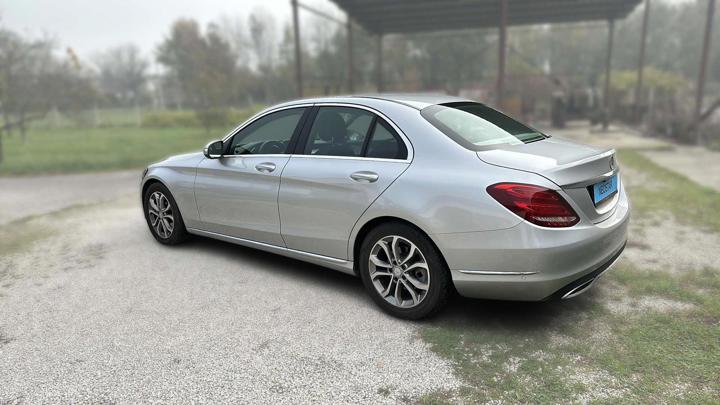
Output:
x,y
348,158
237,193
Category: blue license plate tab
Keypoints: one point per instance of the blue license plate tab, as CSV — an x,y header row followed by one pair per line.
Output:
x,y
604,189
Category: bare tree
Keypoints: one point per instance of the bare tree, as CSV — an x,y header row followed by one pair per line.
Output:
x,y
22,66
233,31
264,38
123,74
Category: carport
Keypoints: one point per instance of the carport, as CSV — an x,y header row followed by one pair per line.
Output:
x,y
382,17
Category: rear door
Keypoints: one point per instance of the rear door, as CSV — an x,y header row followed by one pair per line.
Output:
x,y
237,193
343,162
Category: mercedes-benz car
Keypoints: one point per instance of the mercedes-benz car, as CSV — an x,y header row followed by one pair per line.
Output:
x,y
420,196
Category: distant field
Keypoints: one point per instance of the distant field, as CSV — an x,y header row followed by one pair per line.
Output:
x,y
109,139
66,150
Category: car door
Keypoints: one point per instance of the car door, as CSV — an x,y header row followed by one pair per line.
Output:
x,y
343,162
237,194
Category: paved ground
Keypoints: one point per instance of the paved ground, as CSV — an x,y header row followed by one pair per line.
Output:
x,y
100,312
22,197
693,162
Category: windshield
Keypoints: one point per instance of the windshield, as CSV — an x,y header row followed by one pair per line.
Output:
x,y
479,127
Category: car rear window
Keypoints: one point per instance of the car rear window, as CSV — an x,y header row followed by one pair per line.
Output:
x,y
479,127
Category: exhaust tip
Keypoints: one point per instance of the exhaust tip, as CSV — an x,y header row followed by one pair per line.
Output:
x,y
579,289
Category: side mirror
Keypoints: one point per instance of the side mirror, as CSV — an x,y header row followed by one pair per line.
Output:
x,y
213,150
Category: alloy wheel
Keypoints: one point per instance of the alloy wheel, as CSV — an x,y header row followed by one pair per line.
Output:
x,y
399,271
161,215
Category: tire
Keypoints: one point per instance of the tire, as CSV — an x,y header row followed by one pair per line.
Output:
x,y
172,229
434,276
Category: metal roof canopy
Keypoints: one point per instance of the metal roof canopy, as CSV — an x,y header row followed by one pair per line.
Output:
x,y
407,16
404,16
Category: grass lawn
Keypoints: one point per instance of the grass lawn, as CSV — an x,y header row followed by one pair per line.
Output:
x,y
67,150
643,335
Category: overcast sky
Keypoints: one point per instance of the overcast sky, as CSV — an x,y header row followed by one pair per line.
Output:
x,y
89,26
92,25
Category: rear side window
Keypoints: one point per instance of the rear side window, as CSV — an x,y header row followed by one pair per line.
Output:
x,y
339,131
352,132
385,143
479,127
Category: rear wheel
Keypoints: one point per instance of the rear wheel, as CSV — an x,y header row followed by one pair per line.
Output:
x,y
403,271
163,216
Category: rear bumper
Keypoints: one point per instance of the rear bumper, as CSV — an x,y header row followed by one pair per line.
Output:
x,y
530,263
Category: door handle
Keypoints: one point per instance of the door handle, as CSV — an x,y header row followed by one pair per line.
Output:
x,y
365,177
265,167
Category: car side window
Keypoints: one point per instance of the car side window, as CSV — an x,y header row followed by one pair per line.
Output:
x,y
385,143
268,135
339,131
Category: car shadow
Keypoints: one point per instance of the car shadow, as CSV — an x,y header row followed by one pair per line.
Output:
x,y
280,265
515,318
510,316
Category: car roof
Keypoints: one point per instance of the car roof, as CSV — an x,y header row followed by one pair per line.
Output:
x,y
417,101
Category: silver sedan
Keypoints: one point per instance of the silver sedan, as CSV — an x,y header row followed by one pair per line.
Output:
x,y
419,196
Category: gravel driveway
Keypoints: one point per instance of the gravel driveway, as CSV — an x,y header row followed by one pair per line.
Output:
x,y
100,312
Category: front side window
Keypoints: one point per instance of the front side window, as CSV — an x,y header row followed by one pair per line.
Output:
x,y
268,135
479,127
339,131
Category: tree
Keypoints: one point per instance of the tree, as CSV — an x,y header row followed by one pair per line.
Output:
x,y
123,74
204,68
434,54
22,66
263,38
33,80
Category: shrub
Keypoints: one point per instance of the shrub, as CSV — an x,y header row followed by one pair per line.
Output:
x,y
188,118
166,119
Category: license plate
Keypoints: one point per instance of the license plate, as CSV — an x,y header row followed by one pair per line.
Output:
x,y
604,189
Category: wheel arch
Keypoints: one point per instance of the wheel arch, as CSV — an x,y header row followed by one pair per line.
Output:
x,y
374,223
149,182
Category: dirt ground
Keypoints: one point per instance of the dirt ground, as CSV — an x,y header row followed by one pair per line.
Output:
x,y
92,309
25,196
98,311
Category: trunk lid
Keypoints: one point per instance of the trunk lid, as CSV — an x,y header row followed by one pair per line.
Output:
x,y
572,166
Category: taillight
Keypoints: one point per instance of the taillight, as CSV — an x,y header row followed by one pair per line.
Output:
x,y
539,205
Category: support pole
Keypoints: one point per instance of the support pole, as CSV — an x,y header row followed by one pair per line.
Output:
x,y
379,67
700,91
608,69
298,54
350,57
502,50
641,62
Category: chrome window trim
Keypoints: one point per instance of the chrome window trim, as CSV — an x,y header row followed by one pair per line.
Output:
x,y
316,157
295,156
269,155
261,114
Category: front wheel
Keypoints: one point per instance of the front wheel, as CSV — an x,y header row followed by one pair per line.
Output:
x,y
403,271
163,216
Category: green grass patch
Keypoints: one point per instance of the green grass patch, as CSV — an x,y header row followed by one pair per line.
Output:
x,y
581,350
67,150
591,348
689,202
